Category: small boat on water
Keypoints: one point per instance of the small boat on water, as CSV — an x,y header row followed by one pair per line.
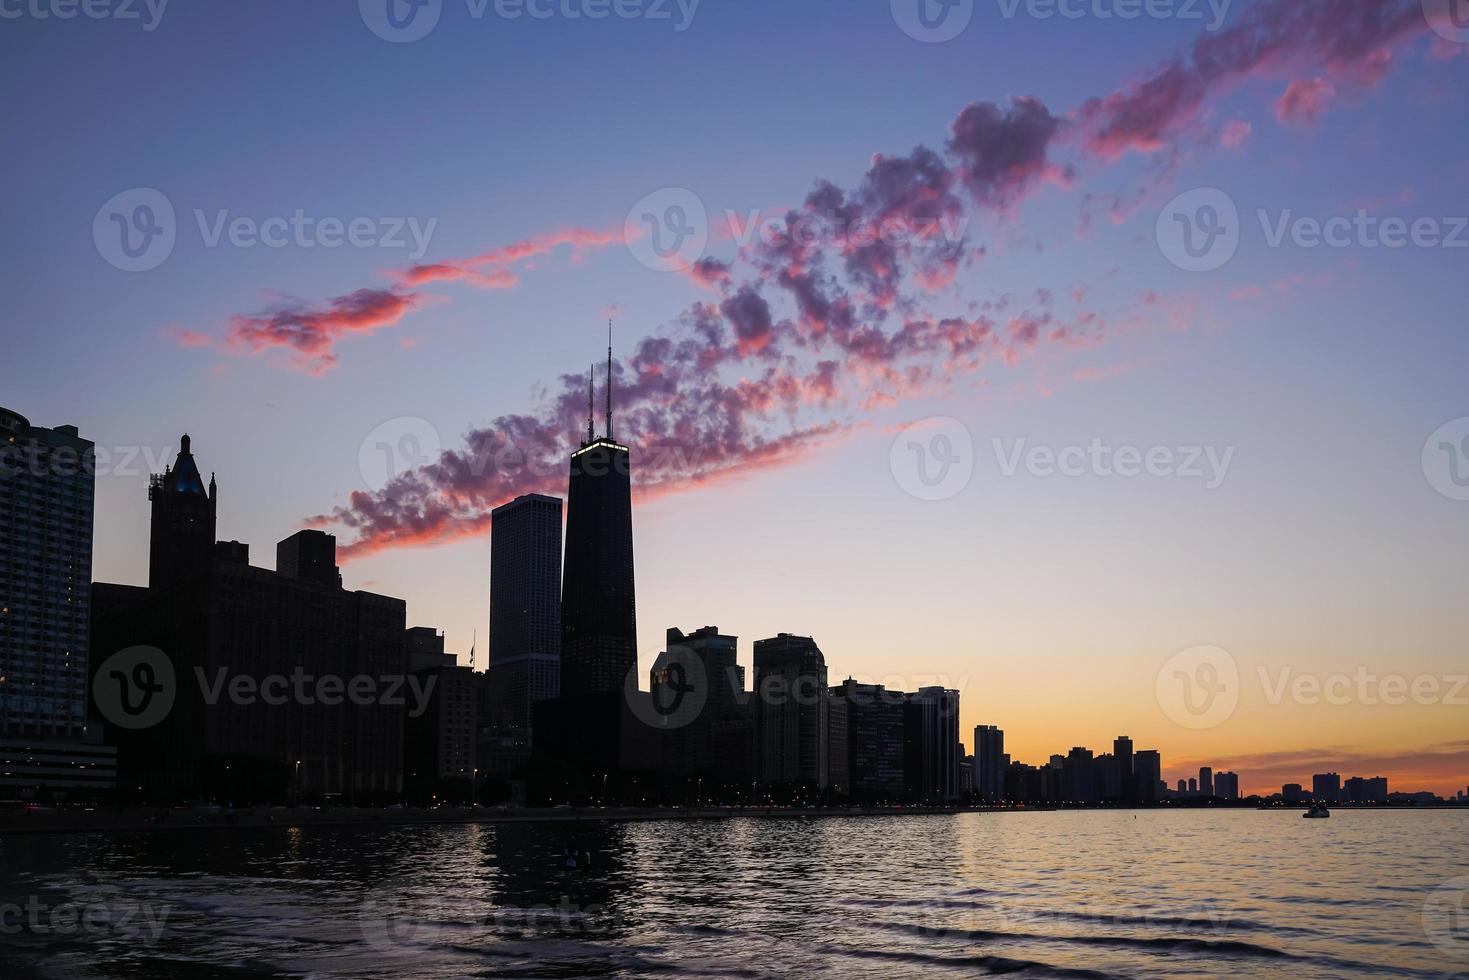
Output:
x,y
1318,811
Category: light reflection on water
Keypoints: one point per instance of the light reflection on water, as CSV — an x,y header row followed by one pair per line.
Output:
x,y
1151,894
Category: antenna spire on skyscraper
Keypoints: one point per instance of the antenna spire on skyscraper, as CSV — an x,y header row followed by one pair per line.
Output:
x,y
591,402
609,378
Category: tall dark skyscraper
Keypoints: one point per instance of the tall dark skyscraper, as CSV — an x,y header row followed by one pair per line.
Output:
x,y
990,762
599,629
1127,779
46,484
525,607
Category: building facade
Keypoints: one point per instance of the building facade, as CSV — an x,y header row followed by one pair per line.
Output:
x,y
792,713
525,609
46,488
932,753
873,765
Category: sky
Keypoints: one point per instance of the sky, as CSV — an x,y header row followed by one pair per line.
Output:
x,y
901,297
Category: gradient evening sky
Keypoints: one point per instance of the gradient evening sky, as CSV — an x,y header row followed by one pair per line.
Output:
x,y
1051,602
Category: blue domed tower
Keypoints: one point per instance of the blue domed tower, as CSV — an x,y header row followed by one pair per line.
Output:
x,y
181,542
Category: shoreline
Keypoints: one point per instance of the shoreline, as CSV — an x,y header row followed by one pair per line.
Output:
x,y
147,820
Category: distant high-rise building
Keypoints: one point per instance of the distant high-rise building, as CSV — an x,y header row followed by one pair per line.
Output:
x,y
874,741
599,629
525,609
1148,770
1122,749
1080,776
181,538
46,489
1359,790
46,486
1292,793
792,712
439,741
931,734
1206,781
1226,786
989,762
1326,787
1193,786
716,742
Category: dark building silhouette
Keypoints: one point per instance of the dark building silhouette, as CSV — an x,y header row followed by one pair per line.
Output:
x,y
307,556
599,628
698,693
601,727
525,608
872,769
1206,781
931,735
1326,787
990,762
46,491
46,486
1126,774
792,713
215,617
1224,785
439,741
1148,772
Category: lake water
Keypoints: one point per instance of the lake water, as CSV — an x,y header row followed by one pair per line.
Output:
x,y
1070,894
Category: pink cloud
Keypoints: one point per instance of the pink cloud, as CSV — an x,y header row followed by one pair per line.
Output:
x,y
312,332
1305,102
